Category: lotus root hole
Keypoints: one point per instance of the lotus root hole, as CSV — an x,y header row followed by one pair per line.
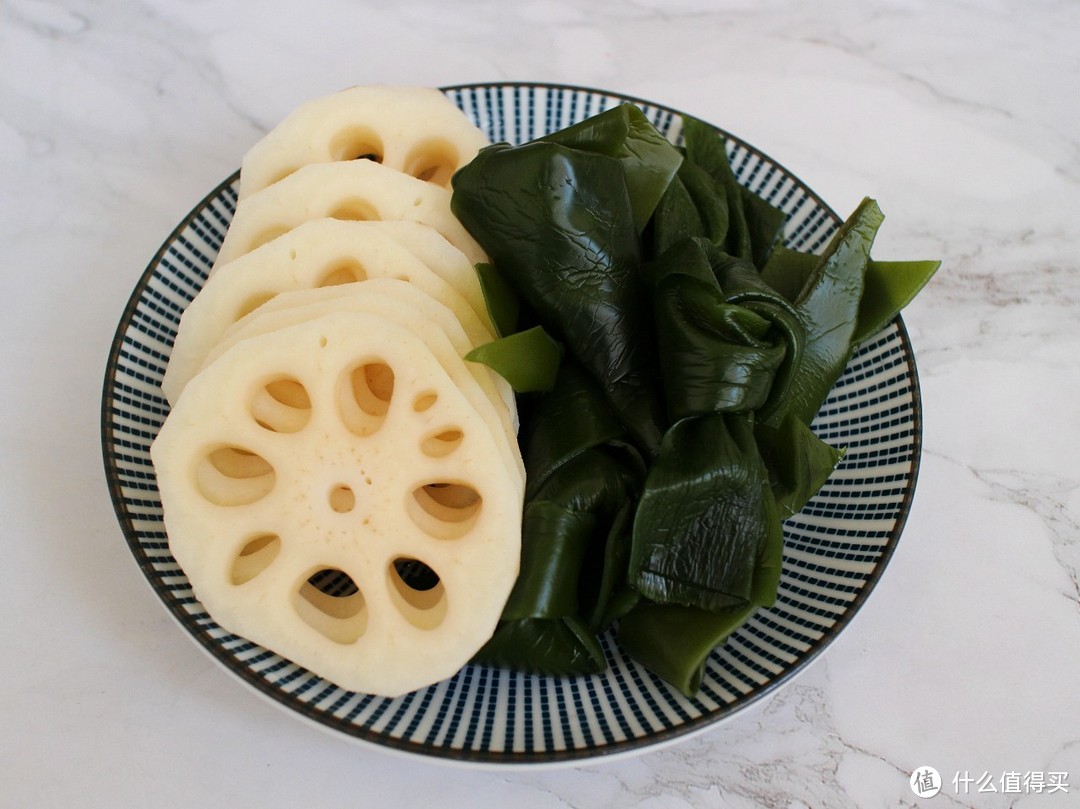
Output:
x,y
364,396
425,401
356,143
282,406
345,271
330,603
267,235
418,592
233,476
442,443
342,499
255,557
445,510
355,210
433,161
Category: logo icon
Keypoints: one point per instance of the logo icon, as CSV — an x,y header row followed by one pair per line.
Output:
x,y
925,782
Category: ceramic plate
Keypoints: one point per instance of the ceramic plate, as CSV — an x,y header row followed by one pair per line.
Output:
x,y
835,549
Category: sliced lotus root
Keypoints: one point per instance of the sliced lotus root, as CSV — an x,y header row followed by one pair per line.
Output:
x,y
357,190
410,308
374,536
448,261
323,252
396,298
416,130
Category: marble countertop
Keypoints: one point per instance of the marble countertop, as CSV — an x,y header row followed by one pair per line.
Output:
x,y
961,118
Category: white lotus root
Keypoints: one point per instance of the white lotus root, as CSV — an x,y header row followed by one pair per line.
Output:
x,y
320,253
415,130
404,304
332,494
357,190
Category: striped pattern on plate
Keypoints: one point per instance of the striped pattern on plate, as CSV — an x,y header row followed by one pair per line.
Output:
x,y
835,549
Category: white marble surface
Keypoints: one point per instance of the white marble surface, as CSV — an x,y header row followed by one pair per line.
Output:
x,y
961,118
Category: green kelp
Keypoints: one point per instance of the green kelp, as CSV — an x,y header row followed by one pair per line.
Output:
x,y
670,436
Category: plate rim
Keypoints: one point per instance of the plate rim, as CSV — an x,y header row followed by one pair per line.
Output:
x,y
471,757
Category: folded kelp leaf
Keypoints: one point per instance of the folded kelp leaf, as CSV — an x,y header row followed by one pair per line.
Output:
x,y
560,424
828,309
500,299
557,647
765,224
717,357
798,461
572,583
692,207
742,284
647,157
723,336
734,219
674,641
706,516
889,285
559,219
528,360
578,530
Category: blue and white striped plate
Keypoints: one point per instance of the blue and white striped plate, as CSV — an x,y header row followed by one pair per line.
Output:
x,y
835,550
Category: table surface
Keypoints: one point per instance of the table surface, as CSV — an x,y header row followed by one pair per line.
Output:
x,y
960,118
